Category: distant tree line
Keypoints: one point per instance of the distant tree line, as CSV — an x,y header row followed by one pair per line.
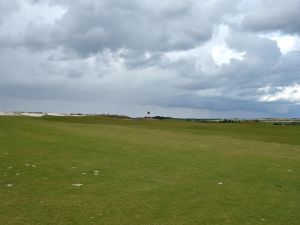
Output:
x,y
287,124
161,118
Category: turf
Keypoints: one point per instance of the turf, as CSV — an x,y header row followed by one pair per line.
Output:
x,y
150,172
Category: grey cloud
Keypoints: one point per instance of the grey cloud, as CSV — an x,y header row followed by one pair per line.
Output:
x,y
275,15
235,86
90,26
7,7
232,106
114,52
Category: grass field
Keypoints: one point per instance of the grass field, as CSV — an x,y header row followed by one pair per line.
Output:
x,y
149,172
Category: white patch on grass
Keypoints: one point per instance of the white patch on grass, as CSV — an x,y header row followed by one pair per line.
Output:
x,y
27,164
220,183
290,170
9,185
33,165
83,173
17,174
77,185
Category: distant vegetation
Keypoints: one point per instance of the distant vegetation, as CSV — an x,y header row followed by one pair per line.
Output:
x,y
274,121
287,123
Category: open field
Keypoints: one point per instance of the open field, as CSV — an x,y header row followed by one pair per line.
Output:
x,y
96,170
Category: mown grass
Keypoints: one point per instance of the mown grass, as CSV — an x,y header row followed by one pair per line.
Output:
x,y
150,172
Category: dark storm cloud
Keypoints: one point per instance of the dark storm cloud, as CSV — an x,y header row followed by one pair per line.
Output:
x,y
91,26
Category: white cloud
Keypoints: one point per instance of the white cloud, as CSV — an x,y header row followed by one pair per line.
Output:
x,y
286,93
223,55
215,48
218,48
286,43
30,13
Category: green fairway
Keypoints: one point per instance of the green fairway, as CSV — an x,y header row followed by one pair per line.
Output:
x,y
97,170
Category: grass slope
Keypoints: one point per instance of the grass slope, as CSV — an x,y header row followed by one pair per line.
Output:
x,y
150,172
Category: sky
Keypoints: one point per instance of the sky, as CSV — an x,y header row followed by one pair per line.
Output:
x,y
179,58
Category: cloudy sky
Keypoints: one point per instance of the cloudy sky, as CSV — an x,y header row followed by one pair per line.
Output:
x,y
183,58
